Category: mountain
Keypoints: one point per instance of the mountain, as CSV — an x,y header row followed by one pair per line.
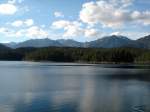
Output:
x,y
111,42
11,44
45,43
105,42
4,48
35,43
144,41
70,43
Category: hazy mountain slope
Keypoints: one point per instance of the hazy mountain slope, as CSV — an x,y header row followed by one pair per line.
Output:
x,y
11,44
110,42
105,42
70,43
144,41
37,43
3,48
45,43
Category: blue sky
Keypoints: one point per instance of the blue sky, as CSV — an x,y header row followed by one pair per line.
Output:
x,y
82,20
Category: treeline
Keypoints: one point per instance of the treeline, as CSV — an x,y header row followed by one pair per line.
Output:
x,y
92,55
15,54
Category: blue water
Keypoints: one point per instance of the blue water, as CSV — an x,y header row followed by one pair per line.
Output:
x,y
71,87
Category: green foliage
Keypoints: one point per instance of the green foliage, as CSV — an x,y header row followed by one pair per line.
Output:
x,y
68,54
94,55
17,54
144,58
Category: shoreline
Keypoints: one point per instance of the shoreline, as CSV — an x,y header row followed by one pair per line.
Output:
x,y
79,62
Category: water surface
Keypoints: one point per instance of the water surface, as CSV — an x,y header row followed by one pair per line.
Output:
x,y
71,87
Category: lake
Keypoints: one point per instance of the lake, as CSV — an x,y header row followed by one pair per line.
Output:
x,y
72,87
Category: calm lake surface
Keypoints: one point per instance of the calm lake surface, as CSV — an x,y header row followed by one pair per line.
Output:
x,y
70,87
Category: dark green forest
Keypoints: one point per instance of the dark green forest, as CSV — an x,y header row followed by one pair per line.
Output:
x,y
66,54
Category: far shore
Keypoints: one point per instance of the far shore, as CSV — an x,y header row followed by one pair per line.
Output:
x,y
80,62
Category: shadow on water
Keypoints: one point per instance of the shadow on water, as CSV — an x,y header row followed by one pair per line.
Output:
x,y
127,66
127,72
139,77
44,105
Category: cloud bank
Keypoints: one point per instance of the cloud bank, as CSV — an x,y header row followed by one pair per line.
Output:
x,y
112,14
8,9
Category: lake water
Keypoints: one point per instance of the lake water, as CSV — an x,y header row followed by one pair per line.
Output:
x,y
70,87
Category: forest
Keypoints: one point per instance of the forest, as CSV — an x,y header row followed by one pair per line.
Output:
x,y
69,54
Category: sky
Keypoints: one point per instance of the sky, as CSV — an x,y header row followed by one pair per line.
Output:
x,y
81,20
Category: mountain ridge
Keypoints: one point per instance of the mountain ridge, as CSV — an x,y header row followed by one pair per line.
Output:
x,y
113,41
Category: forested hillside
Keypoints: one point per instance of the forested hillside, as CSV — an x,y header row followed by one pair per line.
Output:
x,y
93,55
70,54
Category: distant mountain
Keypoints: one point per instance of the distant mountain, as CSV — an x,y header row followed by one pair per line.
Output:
x,y
105,42
144,41
45,43
11,44
34,43
4,48
38,43
110,42
70,43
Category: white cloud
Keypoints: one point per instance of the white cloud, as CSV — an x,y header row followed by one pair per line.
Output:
x,y
58,14
19,33
3,30
91,33
31,32
8,9
19,23
74,29
141,17
131,34
116,33
102,12
7,32
36,32
113,13
29,22
71,29
121,3
11,1
15,1
60,24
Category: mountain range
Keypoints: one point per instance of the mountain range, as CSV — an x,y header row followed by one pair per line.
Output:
x,y
113,41
3,47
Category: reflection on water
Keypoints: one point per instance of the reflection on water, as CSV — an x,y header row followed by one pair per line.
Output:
x,y
65,87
